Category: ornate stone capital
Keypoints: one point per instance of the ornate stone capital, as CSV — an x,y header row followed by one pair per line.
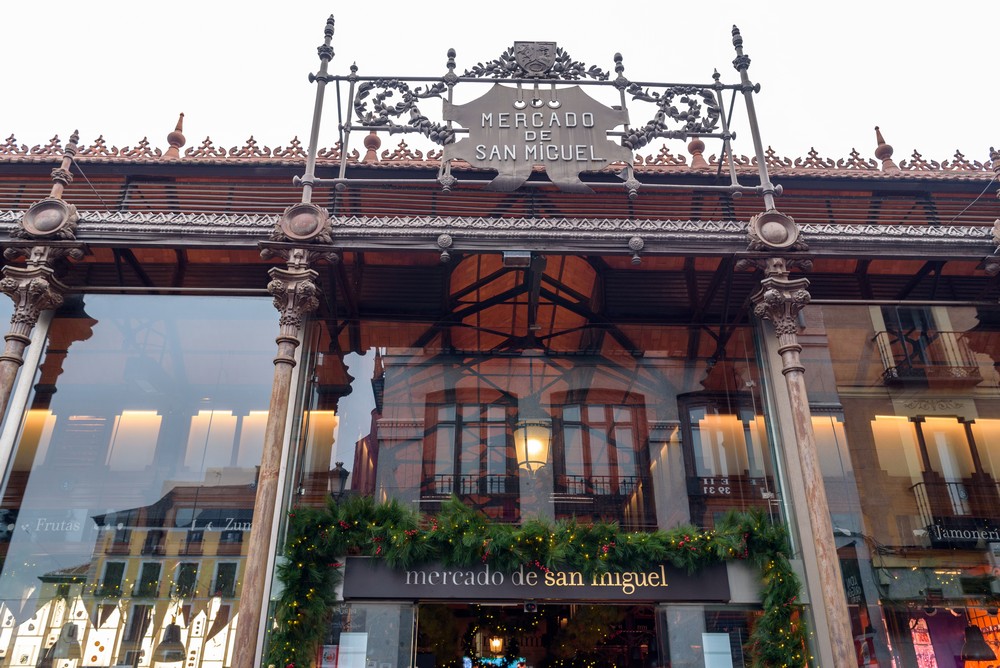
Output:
x,y
33,289
296,295
780,299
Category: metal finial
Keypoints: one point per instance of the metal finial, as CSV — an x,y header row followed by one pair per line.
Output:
x,y
324,50
741,62
451,78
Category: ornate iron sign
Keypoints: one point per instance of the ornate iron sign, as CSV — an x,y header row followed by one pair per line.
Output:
x,y
512,129
536,117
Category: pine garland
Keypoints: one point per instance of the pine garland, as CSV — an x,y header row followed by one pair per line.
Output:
x,y
460,536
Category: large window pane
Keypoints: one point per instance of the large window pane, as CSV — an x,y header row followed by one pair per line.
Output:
x,y
907,435
134,472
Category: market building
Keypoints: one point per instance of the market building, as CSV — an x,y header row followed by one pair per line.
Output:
x,y
538,303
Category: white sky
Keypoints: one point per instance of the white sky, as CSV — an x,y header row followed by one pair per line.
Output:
x,y
925,72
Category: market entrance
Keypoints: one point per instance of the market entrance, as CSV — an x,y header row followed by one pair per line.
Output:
x,y
536,635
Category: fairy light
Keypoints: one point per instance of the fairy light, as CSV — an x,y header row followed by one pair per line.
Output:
x,y
778,636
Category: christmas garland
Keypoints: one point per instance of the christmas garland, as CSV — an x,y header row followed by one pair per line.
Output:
x,y
459,536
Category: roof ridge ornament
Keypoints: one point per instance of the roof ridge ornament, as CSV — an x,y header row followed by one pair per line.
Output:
x,y
176,139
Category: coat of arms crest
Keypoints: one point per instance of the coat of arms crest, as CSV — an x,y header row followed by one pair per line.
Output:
x,y
535,58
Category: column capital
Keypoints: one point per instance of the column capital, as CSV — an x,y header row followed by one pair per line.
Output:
x,y
296,295
780,299
33,290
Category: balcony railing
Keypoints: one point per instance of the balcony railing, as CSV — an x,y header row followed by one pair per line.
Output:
x,y
598,485
492,485
945,500
927,356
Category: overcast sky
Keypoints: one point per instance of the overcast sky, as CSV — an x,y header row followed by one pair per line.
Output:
x,y
925,72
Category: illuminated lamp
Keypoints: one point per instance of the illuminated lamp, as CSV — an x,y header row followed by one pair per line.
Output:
x,y
532,436
533,428
496,645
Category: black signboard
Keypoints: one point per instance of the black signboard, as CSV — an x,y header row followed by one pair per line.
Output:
x,y
963,532
366,578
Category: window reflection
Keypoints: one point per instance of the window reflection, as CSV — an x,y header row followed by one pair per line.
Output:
x,y
132,484
533,432
915,494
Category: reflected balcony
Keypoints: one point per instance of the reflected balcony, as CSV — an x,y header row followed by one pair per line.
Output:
x,y
941,358
627,500
154,543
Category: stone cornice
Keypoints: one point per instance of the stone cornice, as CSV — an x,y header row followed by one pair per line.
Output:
x,y
480,233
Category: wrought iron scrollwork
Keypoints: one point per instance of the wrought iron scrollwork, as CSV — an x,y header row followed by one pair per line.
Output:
x,y
383,113
506,66
700,116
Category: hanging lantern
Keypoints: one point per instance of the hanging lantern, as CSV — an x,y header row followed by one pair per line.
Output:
x,y
532,437
170,649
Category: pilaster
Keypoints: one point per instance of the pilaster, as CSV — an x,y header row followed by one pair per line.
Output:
x,y
301,238
779,301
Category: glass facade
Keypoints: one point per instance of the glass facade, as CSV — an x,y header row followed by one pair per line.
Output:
x,y
648,426
132,482
128,496
648,440
909,399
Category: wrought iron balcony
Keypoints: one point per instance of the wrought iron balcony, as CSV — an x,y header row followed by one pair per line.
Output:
x,y
491,485
927,356
598,485
937,500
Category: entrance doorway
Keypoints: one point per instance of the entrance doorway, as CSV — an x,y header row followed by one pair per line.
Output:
x,y
536,635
